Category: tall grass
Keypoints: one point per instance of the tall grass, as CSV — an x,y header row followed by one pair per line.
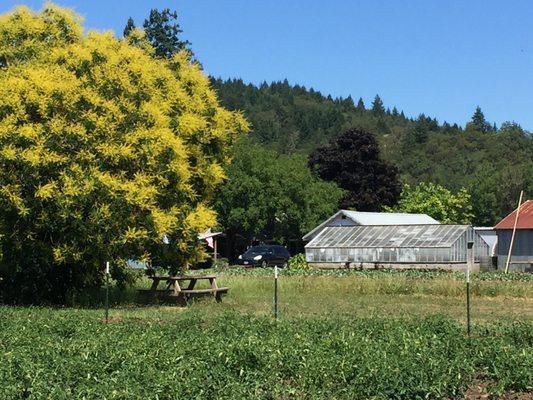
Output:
x,y
367,293
389,296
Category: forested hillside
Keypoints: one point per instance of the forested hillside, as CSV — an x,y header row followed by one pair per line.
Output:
x,y
492,163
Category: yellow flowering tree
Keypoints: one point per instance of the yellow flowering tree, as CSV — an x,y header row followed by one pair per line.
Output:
x,y
105,153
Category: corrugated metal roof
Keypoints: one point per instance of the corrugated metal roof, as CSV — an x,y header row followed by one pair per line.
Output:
x,y
376,218
388,236
380,218
525,218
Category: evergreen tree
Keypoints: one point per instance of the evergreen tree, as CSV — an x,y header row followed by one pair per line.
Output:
x,y
377,107
163,32
395,112
347,103
478,122
360,105
130,25
420,129
352,160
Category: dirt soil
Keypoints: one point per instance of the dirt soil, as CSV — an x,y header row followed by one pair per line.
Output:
x,y
478,390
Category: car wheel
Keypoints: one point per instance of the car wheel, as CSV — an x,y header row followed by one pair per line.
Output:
x,y
264,264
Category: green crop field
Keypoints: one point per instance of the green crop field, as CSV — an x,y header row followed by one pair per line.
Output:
x,y
340,335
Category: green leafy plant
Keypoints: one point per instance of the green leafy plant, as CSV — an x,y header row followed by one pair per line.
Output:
x,y
49,353
222,263
298,263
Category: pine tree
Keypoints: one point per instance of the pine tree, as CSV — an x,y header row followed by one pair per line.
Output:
x,y
163,32
395,112
347,104
478,122
360,105
377,106
420,129
130,25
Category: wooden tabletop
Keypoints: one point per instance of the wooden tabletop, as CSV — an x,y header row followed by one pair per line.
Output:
x,y
182,277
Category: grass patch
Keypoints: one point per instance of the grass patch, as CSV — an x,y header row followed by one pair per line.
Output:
x,y
357,293
388,297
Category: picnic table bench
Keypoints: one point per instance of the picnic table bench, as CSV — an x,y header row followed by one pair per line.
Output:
x,y
183,292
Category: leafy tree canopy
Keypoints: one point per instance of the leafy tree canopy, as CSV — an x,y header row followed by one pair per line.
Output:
x,y
492,167
104,151
437,202
352,160
273,196
163,32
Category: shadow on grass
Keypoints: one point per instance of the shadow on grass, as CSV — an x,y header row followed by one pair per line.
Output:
x,y
118,298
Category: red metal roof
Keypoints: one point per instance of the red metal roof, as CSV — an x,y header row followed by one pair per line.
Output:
x,y
525,218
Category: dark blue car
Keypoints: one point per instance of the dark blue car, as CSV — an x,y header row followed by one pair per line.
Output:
x,y
264,256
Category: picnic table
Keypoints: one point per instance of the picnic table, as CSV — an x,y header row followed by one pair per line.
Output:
x,y
177,288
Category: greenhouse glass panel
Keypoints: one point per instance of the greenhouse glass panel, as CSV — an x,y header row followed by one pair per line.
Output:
x,y
406,236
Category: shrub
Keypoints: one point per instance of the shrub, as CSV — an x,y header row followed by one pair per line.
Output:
x,y
298,263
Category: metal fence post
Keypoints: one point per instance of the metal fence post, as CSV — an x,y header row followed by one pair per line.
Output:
x,y
275,292
107,292
469,262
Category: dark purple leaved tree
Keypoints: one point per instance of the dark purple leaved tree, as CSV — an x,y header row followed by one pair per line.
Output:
x,y
352,160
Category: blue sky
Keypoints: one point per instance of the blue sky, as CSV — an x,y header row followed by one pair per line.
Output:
x,y
438,57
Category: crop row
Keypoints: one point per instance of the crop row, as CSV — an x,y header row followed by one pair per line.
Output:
x,y
379,273
71,354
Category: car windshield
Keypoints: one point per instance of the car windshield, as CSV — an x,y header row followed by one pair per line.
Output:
x,y
253,251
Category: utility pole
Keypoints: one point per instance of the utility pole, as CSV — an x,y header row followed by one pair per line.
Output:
x,y
514,231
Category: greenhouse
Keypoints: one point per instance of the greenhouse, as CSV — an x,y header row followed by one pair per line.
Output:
x,y
404,245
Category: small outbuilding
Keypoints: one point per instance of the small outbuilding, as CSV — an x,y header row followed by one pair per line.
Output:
x,y
488,234
395,246
522,251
